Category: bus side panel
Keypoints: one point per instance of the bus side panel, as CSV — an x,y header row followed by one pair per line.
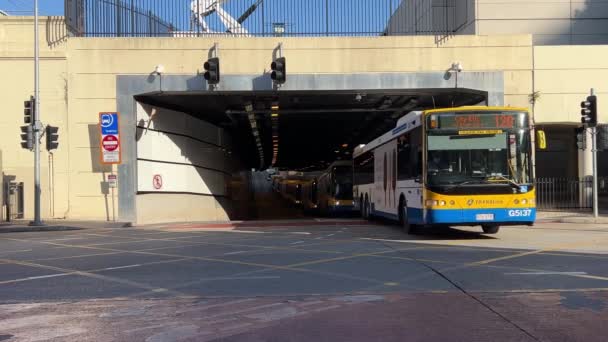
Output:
x,y
412,191
385,197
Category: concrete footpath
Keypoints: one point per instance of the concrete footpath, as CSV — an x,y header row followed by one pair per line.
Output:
x,y
580,217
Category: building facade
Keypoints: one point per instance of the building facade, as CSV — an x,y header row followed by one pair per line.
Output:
x,y
81,77
559,22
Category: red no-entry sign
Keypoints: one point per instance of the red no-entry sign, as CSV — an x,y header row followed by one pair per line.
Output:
x,y
110,143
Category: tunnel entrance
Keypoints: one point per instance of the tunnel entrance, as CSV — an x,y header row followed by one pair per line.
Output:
x,y
244,132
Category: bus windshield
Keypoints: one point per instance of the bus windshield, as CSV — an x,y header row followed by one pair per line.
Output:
x,y
462,157
343,182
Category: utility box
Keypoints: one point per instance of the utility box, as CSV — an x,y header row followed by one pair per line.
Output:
x,y
14,200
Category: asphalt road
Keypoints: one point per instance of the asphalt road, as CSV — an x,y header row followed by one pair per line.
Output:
x,y
320,280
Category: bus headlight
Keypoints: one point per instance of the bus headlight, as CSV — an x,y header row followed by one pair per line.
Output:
x,y
516,201
431,203
524,201
452,202
442,203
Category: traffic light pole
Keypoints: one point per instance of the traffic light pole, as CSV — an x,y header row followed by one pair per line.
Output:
x,y
594,151
37,124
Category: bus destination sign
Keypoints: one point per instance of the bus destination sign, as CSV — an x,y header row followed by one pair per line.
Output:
x,y
480,121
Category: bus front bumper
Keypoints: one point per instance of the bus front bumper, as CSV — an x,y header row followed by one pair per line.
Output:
x,y
480,216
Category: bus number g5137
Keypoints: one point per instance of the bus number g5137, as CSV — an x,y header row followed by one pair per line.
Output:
x,y
520,213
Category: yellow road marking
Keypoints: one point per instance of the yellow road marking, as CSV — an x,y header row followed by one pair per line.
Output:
x,y
519,255
88,275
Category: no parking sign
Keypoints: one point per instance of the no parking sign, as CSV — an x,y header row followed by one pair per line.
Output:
x,y
110,138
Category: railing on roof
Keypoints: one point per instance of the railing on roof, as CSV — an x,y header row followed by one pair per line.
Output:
x,y
172,18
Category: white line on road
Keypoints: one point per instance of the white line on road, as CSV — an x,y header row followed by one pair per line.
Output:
x,y
34,278
17,251
118,267
237,252
547,273
296,243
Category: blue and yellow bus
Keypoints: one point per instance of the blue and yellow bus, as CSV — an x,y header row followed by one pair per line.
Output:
x,y
463,166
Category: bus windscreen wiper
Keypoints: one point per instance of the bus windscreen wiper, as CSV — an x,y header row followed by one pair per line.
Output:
x,y
503,178
477,181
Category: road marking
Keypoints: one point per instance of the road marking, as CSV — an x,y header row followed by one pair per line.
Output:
x,y
547,273
91,275
240,278
523,254
236,262
33,278
592,289
237,252
297,242
119,267
17,251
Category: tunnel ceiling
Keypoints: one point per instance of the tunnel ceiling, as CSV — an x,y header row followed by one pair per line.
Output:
x,y
313,126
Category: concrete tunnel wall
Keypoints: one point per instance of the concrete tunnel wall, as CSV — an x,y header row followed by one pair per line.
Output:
x,y
193,158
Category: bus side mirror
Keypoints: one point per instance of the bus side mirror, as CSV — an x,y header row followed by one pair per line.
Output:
x,y
541,140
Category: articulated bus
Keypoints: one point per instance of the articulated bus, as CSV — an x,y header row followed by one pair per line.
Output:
x,y
335,188
463,166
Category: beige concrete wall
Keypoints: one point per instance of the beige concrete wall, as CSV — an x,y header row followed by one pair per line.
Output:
x,y
17,70
563,77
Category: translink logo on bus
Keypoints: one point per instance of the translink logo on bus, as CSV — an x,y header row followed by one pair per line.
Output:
x,y
484,202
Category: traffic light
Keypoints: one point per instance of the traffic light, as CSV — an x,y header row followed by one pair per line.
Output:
x,y
29,110
581,138
52,137
589,111
27,137
279,70
212,73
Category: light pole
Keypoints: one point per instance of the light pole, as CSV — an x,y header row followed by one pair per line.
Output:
x,y
37,124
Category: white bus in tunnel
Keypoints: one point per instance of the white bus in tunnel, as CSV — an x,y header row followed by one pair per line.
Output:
x,y
462,166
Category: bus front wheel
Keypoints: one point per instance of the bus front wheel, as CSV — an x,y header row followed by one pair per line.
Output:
x,y
490,229
403,219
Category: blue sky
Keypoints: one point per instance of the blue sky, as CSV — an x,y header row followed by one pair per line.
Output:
x,y
301,16
26,7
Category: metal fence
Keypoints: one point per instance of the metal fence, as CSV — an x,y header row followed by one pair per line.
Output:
x,y
562,194
169,18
